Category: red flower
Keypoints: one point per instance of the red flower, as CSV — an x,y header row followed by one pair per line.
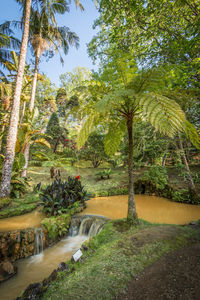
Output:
x,y
78,177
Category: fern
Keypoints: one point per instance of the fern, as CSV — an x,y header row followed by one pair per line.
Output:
x,y
85,131
163,113
192,134
113,138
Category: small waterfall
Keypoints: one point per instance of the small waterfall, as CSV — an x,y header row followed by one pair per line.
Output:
x,y
39,234
87,225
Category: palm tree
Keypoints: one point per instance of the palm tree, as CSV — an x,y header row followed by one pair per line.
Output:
x,y
12,131
7,42
47,36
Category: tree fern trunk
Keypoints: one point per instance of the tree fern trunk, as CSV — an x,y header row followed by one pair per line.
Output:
x,y
12,131
192,186
31,107
132,214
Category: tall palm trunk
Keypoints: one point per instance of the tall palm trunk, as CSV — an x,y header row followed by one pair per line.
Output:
x,y
31,107
34,84
12,131
132,214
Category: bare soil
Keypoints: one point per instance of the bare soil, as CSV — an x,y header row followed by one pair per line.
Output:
x,y
174,276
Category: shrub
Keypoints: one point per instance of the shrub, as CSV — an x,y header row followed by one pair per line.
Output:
x,y
18,186
59,197
4,202
157,175
105,174
57,226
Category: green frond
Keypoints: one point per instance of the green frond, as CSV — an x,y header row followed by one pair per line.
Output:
x,y
85,131
115,100
113,138
192,134
163,113
42,142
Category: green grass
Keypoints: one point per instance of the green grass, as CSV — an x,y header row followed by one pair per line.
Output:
x,y
94,186
20,206
114,257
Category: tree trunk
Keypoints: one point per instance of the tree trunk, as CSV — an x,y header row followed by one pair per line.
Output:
x,y
31,107
2,131
12,131
34,84
23,113
192,186
132,214
26,156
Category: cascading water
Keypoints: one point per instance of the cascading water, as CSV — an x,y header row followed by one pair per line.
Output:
x,y
39,235
86,225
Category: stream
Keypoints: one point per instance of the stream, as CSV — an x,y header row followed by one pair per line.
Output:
x,y
36,268
150,208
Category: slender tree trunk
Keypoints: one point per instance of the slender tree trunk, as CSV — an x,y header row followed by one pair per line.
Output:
x,y
34,84
2,131
23,113
12,131
31,107
26,156
132,214
192,186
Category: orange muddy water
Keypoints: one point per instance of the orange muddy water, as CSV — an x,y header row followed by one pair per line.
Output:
x,y
150,208
32,219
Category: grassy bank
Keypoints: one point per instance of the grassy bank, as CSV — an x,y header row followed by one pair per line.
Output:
x,y
114,256
20,206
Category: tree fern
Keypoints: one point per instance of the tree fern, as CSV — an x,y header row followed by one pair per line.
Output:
x,y
86,129
163,113
113,138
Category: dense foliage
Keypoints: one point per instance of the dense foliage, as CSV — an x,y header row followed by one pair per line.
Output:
x,y
59,197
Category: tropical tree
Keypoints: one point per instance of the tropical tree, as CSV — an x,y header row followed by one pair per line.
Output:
x,y
55,132
47,37
12,131
153,31
94,150
7,43
125,96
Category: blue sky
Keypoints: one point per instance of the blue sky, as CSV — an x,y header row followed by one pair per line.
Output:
x,y
77,21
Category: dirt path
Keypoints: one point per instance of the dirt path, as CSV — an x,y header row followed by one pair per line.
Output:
x,y
175,276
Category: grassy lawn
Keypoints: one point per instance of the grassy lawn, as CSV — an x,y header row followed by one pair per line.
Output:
x,y
114,256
